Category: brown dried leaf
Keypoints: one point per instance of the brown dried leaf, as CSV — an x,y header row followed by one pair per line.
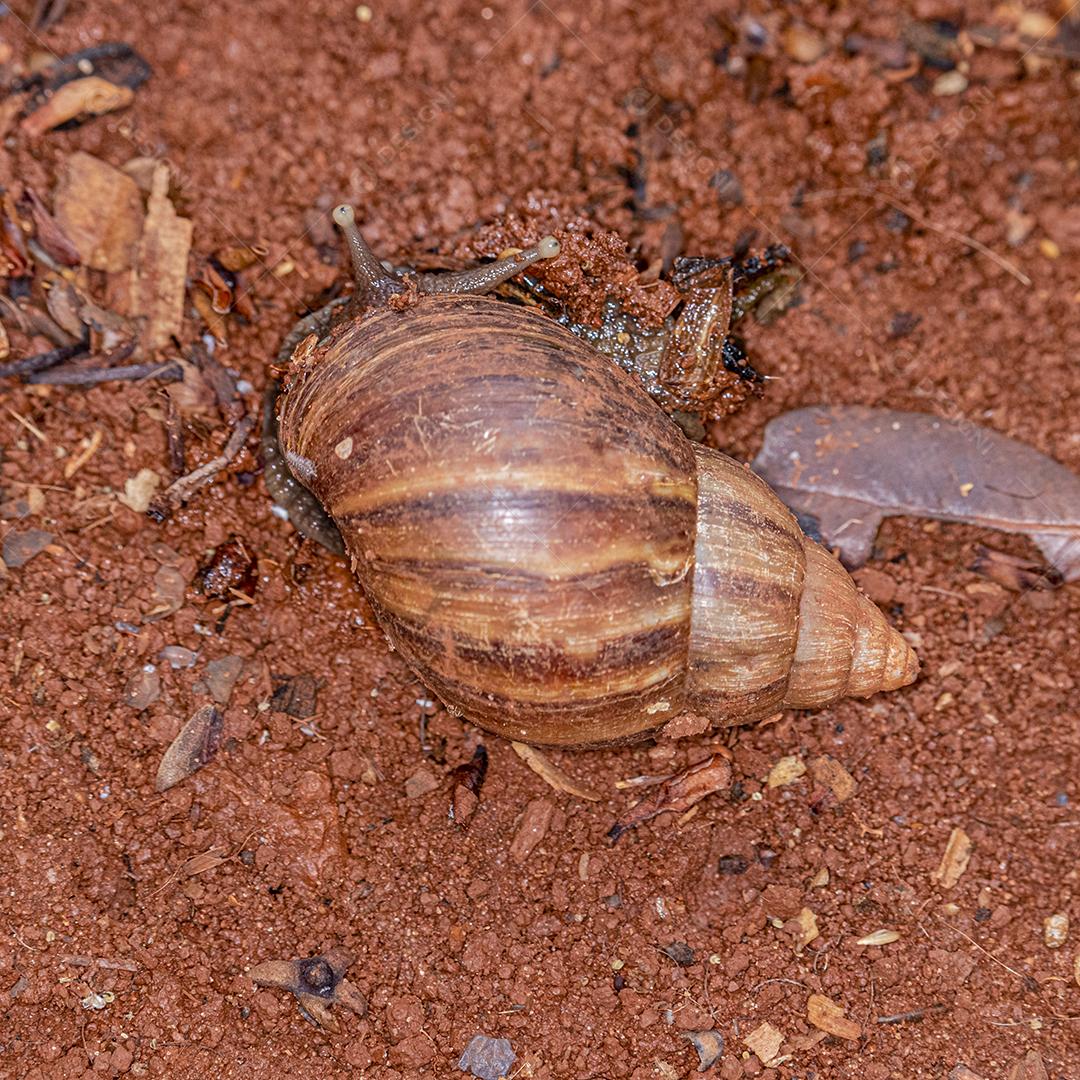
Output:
x,y
100,210
955,860
466,783
1011,572
64,305
847,467
161,266
1029,1067
91,96
203,862
50,236
194,746
533,828
678,793
551,773
826,1015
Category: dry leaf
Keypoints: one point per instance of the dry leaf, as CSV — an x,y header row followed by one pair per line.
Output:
x,y
845,468
826,1015
203,862
786,771
161,266
879,937
551,773
52,238
828,772
1015,574
91,96
194,746
765,1041
955,860
139,490
1030,1067
678,793
100,210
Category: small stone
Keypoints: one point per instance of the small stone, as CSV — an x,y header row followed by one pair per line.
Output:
x,y
1055,930
829,773
20,548
177,657
803,45
487,1058
221,677
786,771
421,783
732,864
680,952
951,83
142,689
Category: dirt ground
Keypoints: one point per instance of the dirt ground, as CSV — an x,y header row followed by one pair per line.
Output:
x,y
871,141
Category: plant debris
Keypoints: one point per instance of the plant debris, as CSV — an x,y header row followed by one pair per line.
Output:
x,y
709,1046
20,547
678,793
80,99
847,467
296,696
765,1041
551,773
231,569
161,266
1012,572
194,746
466,783
955,859
532,829
317,982
826,1015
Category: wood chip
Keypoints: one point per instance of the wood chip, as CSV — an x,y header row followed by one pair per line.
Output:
x,y
955,860
786,771
826,1015
552,774
765,1042
91,96
829,773
84,455
100,210
534,826
161,266
194,746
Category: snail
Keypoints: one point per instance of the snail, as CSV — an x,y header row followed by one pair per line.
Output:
x,y
542,545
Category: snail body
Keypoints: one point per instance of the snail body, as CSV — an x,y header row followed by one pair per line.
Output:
x,y
542,544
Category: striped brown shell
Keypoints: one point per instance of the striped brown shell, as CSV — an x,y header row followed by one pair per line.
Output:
x,y
546,549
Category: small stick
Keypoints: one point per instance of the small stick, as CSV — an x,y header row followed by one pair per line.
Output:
x,y
90,376
179,491
101,962
40,361
915,1015
174,432
959,237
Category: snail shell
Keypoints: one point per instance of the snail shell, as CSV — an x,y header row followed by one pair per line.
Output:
x,y
545,548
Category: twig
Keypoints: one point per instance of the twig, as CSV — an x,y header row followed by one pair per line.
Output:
x,y
174,433
181,490
101,962
959,237
40,361
89,376
1012,971
915,1015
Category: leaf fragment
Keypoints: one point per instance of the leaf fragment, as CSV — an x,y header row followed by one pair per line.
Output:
x,y
91,96
677,793
99,209
826,1015
765,1041
844,468
955,859
194,746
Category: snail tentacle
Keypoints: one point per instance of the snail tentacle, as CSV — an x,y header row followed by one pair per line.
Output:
x,y
481,279
374,283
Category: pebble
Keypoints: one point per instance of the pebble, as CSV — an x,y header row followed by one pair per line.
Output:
x,y
1055,930
21,547
487,1058
421,783
221,676
177,657
949,84
142,689
803,45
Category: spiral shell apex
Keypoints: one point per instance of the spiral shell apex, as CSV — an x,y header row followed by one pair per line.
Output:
x,y
545,548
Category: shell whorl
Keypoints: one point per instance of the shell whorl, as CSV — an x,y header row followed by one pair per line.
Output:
x,y
545,548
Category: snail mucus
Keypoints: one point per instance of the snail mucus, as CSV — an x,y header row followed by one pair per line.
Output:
x,y
538,540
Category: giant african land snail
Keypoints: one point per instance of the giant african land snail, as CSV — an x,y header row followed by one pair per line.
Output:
x,y
540,542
